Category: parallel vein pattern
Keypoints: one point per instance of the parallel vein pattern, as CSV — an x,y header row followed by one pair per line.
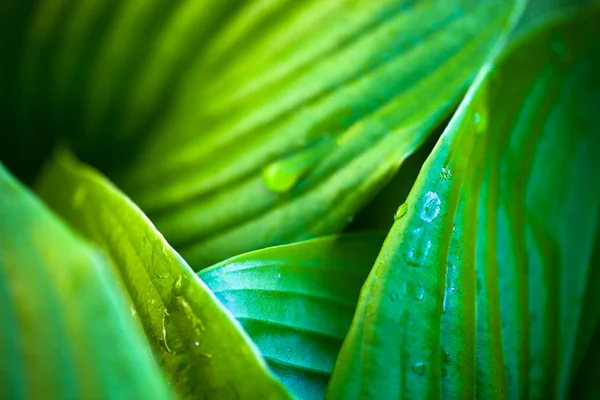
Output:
x,y
296,302
484,285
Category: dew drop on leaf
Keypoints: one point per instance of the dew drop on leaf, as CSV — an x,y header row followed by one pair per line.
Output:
x,y
415,257
414,290
401,211
178,286
282,175
446,174
431,207
419,368
164,338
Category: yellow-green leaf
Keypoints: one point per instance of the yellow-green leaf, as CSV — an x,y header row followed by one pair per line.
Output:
x,y
66,332
201,348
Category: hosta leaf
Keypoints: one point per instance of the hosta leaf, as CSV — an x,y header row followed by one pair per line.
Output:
x,y
200,346
484,286
66,332
296,302
308,116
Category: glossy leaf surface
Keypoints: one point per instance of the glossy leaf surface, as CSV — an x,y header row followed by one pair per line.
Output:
x,y
66,332
297,301
484,286
200,346
286,136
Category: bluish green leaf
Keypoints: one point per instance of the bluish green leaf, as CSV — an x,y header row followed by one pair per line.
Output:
x,y
201,348
66,332
484,284
296,302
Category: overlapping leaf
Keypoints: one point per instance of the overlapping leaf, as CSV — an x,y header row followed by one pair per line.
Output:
x,y
296,302
484,287
200,346
66,332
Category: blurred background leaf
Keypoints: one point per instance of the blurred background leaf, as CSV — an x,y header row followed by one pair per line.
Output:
x,y
505,212
296,302
66,332
201,348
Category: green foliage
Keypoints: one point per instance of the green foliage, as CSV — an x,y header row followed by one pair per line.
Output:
x,y
479,288
194,338
65,330
298,296
210,130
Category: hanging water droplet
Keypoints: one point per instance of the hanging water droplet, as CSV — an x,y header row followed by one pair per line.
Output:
x,y
446,174
431,207
282,175
419,368
414,290
395,296
401,211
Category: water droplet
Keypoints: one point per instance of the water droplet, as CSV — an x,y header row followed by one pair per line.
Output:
x,y
478,284
415,257
160,274
282,175
414,290
196,344
419,368
395,296
401,211
446,361
431,207
278,275
446,174
481,122
165,341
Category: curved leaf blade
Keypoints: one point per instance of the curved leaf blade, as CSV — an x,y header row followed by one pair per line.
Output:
x,y
307,140
200,346
66,332
296,302
504,204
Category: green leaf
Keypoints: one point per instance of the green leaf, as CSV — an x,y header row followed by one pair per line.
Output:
x,y
201,348
484,286
66,332
307,110
296,302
